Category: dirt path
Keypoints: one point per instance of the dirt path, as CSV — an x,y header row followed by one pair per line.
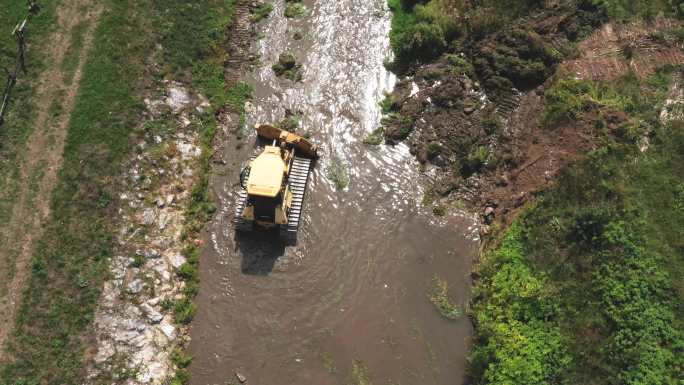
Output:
x,y
43,158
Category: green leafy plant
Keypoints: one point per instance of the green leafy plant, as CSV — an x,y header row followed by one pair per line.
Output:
x,y
439,296
337,173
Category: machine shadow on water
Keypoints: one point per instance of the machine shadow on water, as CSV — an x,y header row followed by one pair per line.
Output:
x,y
259,250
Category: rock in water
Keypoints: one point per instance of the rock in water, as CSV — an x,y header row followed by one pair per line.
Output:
x,y
241,378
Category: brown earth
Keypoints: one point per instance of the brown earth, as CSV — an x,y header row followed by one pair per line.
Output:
x,y
616,49
43,157
450,119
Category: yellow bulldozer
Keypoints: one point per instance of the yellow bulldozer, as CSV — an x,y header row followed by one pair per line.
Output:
x,y
274,183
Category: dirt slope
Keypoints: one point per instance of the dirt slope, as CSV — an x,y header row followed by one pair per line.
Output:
x,y
58,86
455,125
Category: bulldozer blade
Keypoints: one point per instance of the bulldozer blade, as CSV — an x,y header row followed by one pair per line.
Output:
x,y
305,147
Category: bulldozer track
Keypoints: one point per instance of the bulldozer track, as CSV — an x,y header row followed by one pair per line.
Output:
x,y
298,180
508,103
617,49
238,46
240,223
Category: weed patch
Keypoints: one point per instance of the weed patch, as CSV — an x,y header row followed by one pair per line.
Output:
x,y
337,173
439,296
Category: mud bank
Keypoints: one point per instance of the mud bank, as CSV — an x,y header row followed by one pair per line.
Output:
x,y
474,116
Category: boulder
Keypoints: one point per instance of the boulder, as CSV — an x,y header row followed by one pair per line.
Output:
x,y
135,286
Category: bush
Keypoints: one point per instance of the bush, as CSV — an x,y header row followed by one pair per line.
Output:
x,y
375,138
295,9
460,66
433,149
422,42
475,160
261,12
287,67
442,14
625,10
184,311
515,344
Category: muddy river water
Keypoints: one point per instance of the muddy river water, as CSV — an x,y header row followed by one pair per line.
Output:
x,y
349,303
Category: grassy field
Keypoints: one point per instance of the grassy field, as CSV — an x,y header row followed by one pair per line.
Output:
x,y
70,264
18,121
587,286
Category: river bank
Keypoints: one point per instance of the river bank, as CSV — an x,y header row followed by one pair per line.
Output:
x,y
534,116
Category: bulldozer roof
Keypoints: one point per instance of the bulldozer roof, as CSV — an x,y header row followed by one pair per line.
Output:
x,y
266,174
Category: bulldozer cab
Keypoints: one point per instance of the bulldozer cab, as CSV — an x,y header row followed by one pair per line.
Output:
x,y
266,174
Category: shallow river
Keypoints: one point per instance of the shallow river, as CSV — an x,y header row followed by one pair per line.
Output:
x,y
349,302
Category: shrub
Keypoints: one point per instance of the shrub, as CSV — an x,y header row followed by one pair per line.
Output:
x,y
442,14
184,310
569,98
475,160
287,67
375,138
422,42
439,296
460,66
337,173
492,124
295,9
515,344
433,149
261,12
387,104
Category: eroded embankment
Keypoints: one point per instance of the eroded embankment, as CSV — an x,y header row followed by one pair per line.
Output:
x,y
135,325
477,118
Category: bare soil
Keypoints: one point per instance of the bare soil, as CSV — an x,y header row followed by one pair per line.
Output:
x,y
616,49
451,119
43,157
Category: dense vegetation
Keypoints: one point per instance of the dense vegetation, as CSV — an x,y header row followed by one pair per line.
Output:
x,y
586,286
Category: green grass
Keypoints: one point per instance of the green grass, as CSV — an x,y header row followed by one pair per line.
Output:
x,y
570,98
192,41
586,286
69,264
18,121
